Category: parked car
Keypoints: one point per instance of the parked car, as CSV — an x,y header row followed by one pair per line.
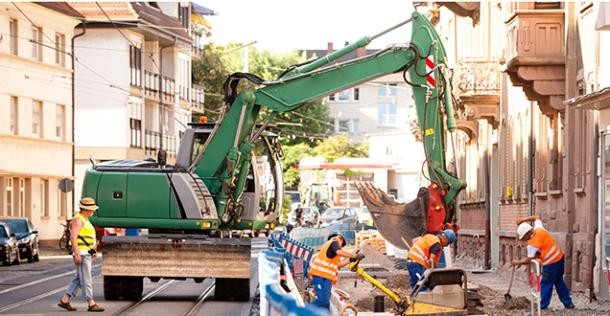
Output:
x,y
364,216
340,214
295,199
8,243
26,235
310,217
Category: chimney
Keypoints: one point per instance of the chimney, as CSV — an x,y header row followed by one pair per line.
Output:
x,y
329,47
361,51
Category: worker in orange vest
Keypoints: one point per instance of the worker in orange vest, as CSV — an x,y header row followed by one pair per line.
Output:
x,y
542,246
325,265
425,254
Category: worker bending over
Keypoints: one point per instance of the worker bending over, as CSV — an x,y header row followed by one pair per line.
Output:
x,y
540,245
325,265
425,254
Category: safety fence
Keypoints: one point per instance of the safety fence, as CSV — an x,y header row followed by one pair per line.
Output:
x,y
278,292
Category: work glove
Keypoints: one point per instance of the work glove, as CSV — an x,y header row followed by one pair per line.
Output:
x,y
359,256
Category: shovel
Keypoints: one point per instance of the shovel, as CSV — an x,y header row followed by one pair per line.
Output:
x,y
507,296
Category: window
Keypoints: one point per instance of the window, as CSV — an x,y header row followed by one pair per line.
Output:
x,y
14,116
60,122
355,126
37,118
356,94
135,127
343,126
36,41
331,97
44,198
387,90
184,16
14,36
386,114
21,197
9,196
62,203
344,95
135,66
60,49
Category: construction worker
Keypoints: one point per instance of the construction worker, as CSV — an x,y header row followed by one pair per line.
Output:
x,y
425,254
325,265
541,246
82,240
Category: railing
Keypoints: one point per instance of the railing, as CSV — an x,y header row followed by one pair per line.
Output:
x,y
197,98
152,142
477,77
151,86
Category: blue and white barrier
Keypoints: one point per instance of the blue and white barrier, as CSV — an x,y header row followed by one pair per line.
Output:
x,y
274,300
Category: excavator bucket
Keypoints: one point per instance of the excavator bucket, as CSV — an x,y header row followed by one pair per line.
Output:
x,y
399,223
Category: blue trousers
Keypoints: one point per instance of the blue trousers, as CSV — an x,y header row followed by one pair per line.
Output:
x,y
322,287
416,271
552,275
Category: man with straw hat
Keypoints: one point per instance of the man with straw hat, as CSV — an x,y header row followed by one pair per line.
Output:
x,y
82,240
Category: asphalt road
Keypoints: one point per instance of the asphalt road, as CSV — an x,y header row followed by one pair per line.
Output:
x,y
35,289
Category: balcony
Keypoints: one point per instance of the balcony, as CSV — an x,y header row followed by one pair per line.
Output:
x,y
477,84
152,84
152,143
536,56
197,99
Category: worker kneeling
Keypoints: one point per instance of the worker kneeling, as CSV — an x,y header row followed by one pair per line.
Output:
x,y
325,265
425,254
540,245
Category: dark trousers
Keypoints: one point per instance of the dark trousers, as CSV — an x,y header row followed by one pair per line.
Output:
x,y
323,288
552,275
416,272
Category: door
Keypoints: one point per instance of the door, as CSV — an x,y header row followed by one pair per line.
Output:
x,y
604,214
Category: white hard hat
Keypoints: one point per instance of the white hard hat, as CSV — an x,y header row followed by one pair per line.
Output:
x,y
523,229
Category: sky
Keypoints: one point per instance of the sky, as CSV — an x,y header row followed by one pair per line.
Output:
x,y
284,25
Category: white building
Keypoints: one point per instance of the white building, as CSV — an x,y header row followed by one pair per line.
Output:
x,y
35,112
133,90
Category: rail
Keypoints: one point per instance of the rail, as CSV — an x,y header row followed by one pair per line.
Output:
x,y
152,142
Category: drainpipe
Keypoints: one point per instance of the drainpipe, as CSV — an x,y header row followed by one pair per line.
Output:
x,y
161,92
73,57
531,163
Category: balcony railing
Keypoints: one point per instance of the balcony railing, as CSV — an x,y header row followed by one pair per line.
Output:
x,y
151,86
197,98
477,77
152,142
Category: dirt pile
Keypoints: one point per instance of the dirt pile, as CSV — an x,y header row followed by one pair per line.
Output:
x,y
515,303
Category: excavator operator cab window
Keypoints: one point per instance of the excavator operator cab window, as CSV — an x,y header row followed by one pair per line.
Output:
x,y
199,142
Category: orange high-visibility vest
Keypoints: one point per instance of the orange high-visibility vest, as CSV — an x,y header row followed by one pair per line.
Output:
x,y
324,267
549,249
420,251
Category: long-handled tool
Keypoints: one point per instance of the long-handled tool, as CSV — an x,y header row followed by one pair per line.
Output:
x,y
507,296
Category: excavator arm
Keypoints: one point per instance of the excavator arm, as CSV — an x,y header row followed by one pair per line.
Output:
x,y
225,161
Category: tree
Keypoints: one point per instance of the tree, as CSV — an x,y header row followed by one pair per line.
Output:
x,y
339,146
210,72
292,156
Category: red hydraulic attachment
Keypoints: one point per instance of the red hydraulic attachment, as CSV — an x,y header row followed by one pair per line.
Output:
x,y
435,214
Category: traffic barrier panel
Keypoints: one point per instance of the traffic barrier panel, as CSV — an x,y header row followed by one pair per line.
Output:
x,y
534,278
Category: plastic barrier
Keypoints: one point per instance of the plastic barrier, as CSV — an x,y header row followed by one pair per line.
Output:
x,y
274,300
300,254
534,277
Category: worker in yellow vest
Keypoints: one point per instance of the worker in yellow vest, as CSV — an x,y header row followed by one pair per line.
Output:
x,y
82,241
542,246
425,254
325,265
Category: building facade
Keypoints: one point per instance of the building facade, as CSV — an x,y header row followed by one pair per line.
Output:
x,y
133,81
35,113
532,146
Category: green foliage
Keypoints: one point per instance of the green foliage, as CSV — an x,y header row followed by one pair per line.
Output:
x,y
339,146
285,209
292,155
210,72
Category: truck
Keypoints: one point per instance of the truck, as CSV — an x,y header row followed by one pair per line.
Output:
x,y
192,207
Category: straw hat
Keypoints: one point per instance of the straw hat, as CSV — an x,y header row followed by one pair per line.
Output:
x,y
87,203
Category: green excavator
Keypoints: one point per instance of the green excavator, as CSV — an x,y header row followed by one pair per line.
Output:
x,y
218,184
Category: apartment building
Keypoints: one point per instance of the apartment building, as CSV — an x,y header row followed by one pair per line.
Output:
x,y
133,80
35,113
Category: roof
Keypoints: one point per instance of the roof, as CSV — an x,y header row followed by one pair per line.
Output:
x,y
158,18
61,7
131,12
117,11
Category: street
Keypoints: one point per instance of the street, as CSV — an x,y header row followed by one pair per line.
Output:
x,y
35,288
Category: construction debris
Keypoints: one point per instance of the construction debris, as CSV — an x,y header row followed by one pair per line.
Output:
x,y
371,237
